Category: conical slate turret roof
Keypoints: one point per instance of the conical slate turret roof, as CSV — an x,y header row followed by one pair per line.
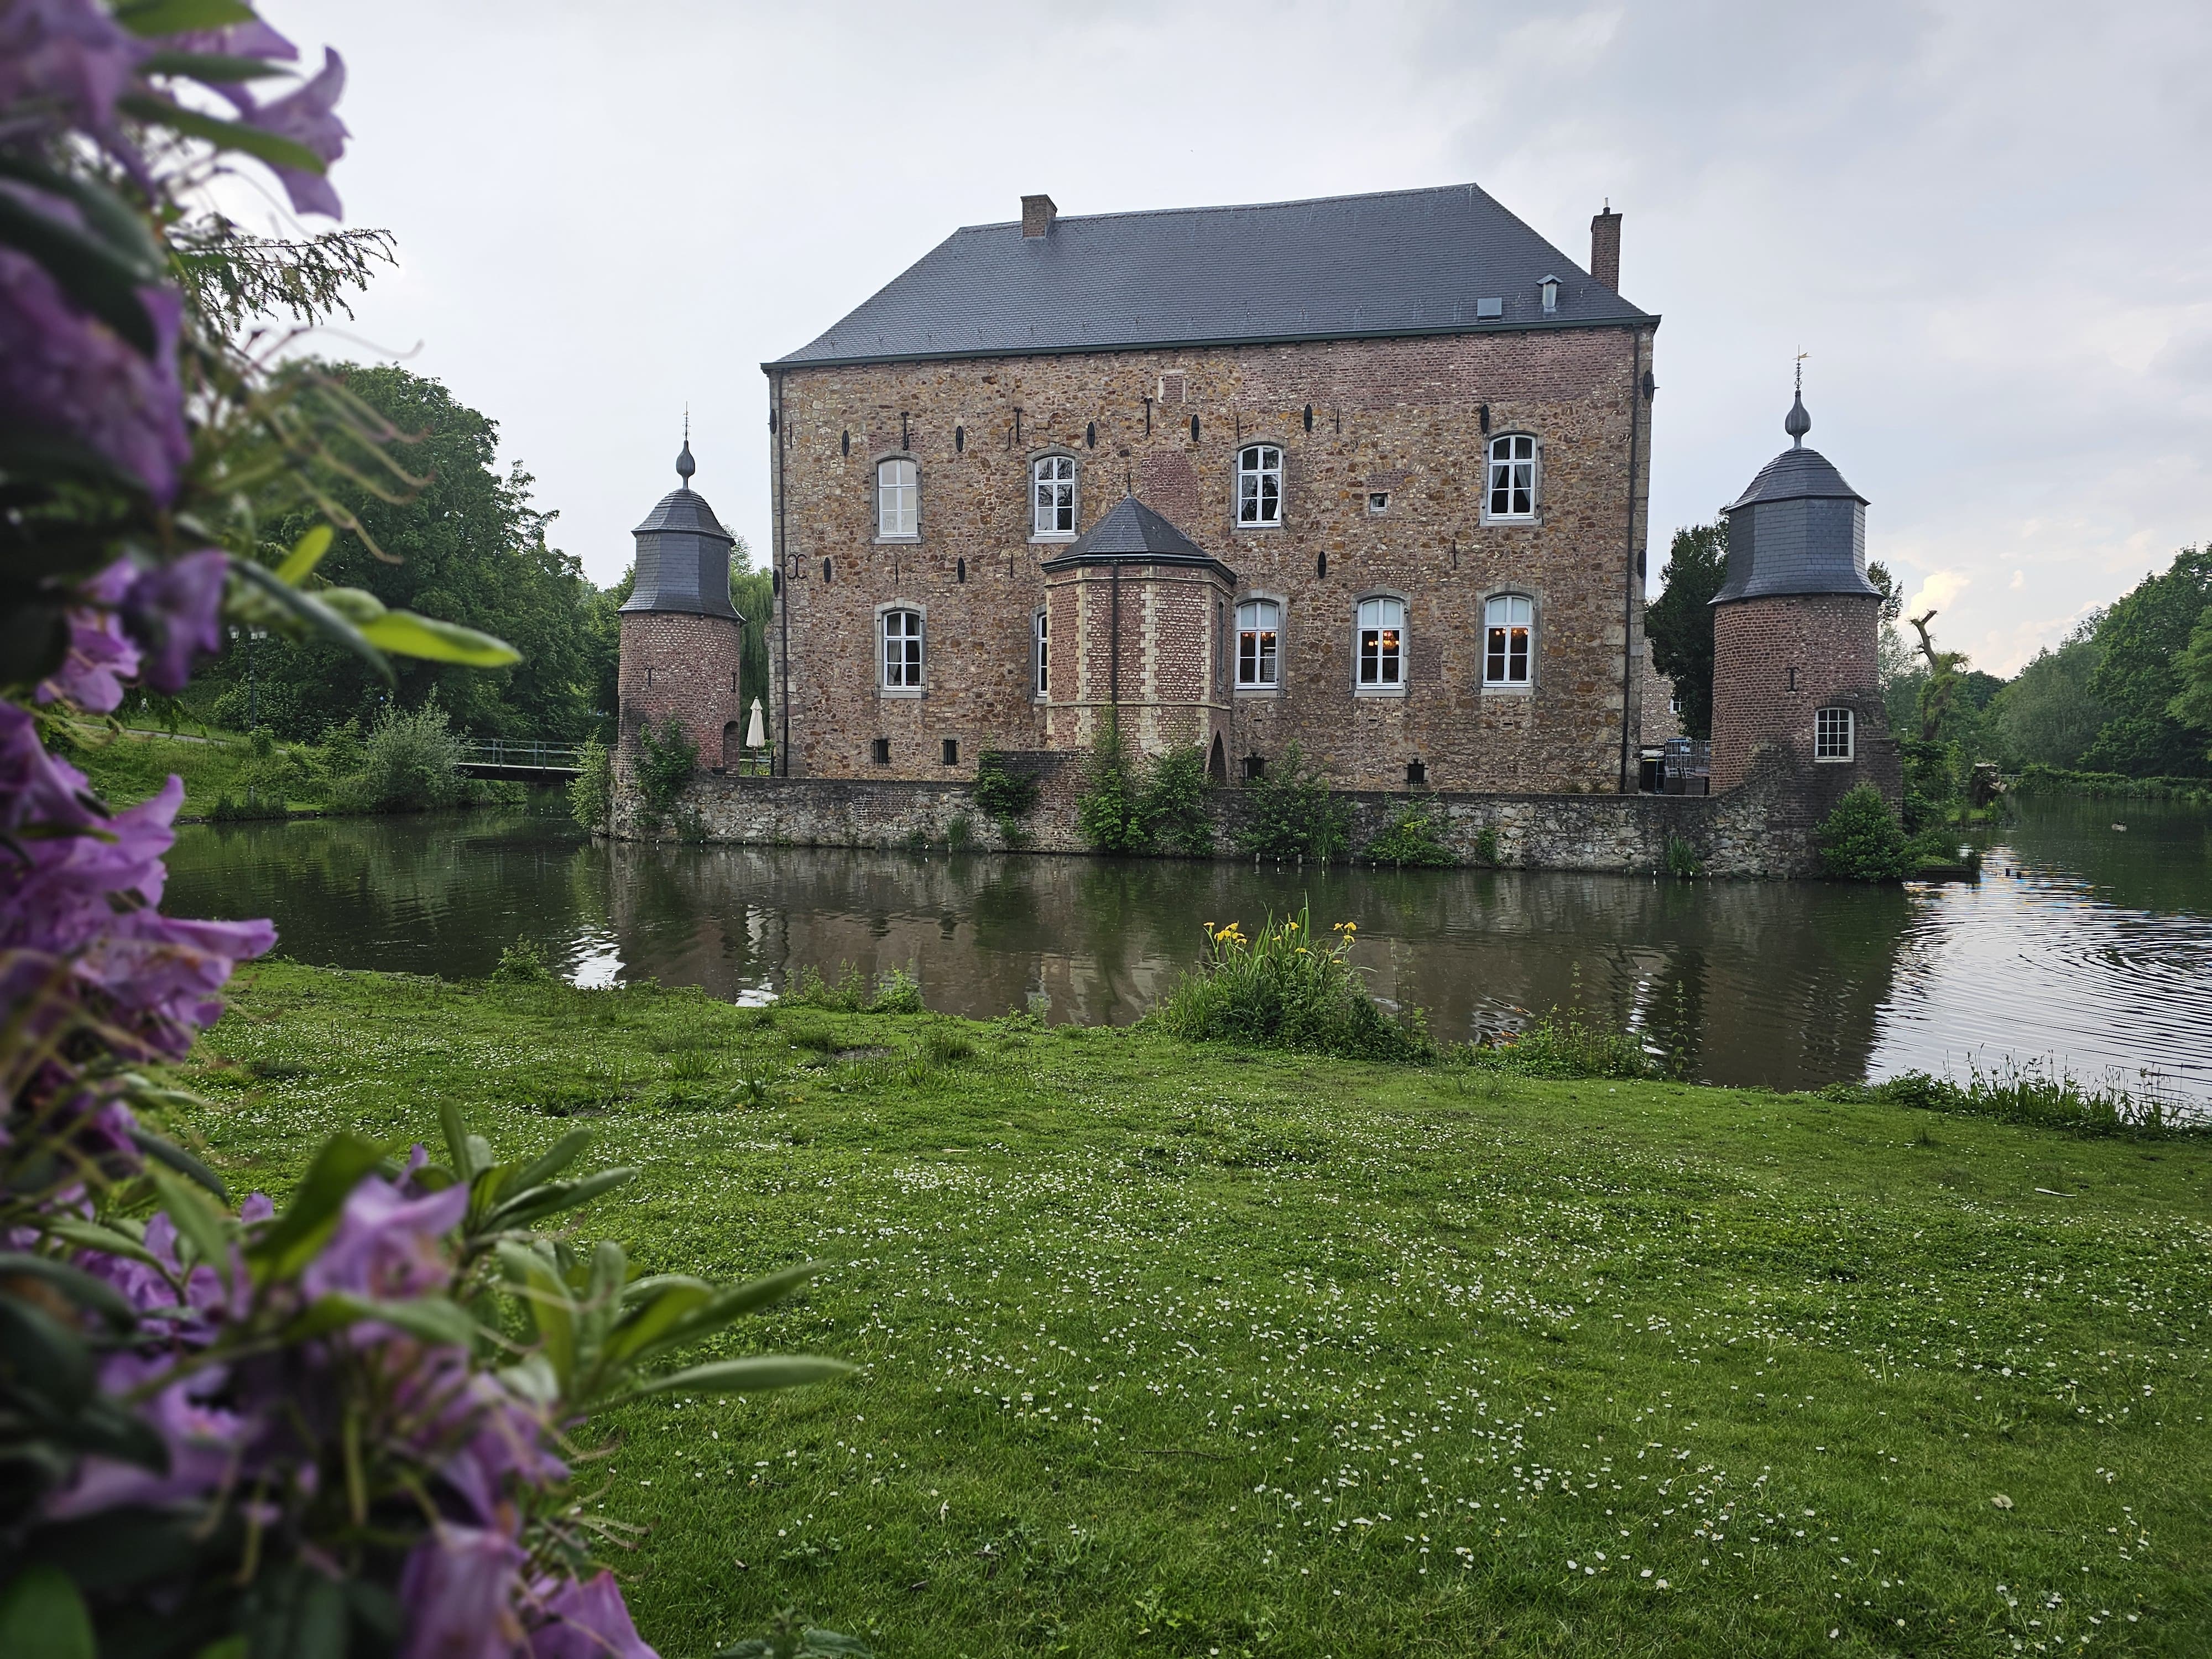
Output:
x,y
683,553
1132,533
1798,528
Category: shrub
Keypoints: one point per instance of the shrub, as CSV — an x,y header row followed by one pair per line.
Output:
x,y
1005,797
1110,813
1282,989
410,763
1682,860
1176,818
896,991
2031,1092
1861,840
960,833
523,963
666,761
1294,813
1563,1044
1486,849
1412,839
591,791
1165,809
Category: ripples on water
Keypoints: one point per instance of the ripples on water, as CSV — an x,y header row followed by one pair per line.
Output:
x,y
2096,956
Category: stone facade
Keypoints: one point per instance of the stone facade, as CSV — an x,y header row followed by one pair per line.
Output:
x,y
1657,692
1383,443
1777,662
682,664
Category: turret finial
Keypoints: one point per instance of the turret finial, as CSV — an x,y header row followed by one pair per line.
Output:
x,y
1797,422
685,467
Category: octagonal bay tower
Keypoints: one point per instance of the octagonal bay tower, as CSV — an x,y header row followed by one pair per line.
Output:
x,y
1796,629
681,636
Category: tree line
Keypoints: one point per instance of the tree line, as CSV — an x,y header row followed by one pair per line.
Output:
x,y
2129,690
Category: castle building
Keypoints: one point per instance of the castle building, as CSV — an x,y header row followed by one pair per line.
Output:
x,y
1366,476
680,635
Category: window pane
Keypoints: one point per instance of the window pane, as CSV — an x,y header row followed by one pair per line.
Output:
x,y
1494,657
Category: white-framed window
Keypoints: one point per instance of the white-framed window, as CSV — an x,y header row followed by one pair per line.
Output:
x,y
1508,634
898,499
1041,653
1832,734
1258,485
901,634
1259,629
1053,491
1382,653
1512,492
1675,704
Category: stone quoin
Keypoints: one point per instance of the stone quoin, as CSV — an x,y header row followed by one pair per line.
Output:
x,y
1363,477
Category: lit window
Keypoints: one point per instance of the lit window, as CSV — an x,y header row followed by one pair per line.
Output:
x,y
1258,485
1508,622
1381,641
1055,477
1257,624
1513,476
1043,655
902,650
1832,734
1675,704
897,499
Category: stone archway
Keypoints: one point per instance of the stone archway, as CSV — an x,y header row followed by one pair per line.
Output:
x,y
1217,764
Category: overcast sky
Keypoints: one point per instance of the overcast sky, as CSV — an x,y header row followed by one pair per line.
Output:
x,y
1989,225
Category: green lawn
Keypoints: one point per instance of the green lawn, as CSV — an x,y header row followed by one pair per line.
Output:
x,y
1186,1352
131,765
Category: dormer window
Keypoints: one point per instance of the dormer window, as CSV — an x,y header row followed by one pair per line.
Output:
x,y
1512,493
1053,480
898,500
1548,291
1259,485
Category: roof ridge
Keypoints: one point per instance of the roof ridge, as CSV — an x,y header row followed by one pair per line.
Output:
x,y
1249,207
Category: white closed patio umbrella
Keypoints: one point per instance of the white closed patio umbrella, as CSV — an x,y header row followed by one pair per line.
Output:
x,y
756,728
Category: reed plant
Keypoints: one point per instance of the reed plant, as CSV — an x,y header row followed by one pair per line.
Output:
x,y
1282,988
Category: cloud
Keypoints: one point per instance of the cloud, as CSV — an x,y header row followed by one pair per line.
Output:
x,y
1938,591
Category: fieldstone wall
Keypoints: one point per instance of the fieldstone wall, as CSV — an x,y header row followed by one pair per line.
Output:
x,y
1761,829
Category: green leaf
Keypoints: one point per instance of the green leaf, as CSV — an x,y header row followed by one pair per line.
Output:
x,y
555,1195
45,1357
79,1287
644,1325
552,1312
406,635
432,1318
153,17
735,1302
293,1239
43,1617
754,1376
457,1139
92,1236
557,1157
86,269
106,215
306,553
261,145
198,1220
213,69
168,1152
304,610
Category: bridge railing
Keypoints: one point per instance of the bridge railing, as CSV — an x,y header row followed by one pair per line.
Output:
x,y
521,751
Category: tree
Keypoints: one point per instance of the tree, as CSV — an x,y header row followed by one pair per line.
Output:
x,y
2047,714
2144,638
1939,691
1679,622
466,545
2192,704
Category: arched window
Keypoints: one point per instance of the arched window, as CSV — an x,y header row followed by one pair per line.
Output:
x,y
1382,643
1832,734
898,500
1512,476
1258,485
1508,632
1258,623
1053,480
902,650
1043,654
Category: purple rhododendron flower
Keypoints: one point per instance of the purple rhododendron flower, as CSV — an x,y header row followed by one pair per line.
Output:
x,y
176,611
62,63
99,657
586,1620
206,1444
387,1244
459,1588
508,1440
306,117
64,372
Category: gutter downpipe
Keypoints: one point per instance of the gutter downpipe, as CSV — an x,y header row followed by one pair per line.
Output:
x,y
1628,580
782,582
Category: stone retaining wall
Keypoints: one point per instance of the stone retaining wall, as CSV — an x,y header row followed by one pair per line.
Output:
x,y
1760,829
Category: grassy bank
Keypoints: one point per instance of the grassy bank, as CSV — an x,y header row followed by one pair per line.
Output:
x,y
131,765
1179,1350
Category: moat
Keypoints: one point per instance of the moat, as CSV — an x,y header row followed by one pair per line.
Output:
x,y
2096,952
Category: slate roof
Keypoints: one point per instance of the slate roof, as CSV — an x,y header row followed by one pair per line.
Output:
x,y
1341,267
1796,474
1132,533
683,509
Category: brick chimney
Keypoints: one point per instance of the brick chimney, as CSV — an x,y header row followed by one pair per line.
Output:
x,y
1038,215
1605,247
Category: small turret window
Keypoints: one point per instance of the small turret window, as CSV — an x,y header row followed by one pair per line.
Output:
x,y
1832,734
1258,485
902,650
1509,630
1512,476
1053,478
898,500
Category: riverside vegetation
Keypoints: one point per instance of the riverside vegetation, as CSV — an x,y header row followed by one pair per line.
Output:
x,y
1207,1348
